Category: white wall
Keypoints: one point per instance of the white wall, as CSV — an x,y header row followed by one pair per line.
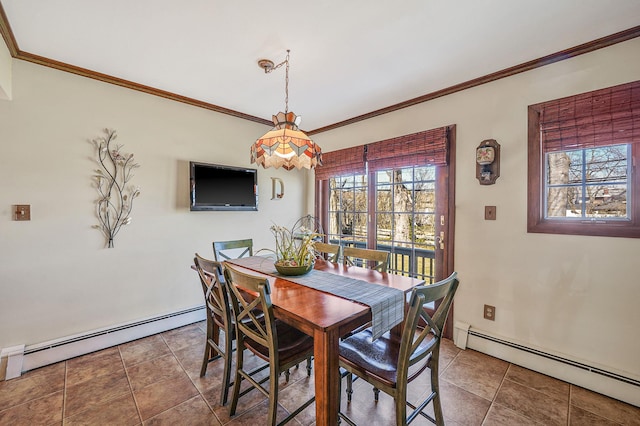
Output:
x,y
5,71
56,277
575,296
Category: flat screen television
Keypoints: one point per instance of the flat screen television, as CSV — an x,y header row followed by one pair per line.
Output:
x,y
216,187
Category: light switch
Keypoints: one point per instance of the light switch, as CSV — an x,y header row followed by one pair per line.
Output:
x,y
22,212
489,212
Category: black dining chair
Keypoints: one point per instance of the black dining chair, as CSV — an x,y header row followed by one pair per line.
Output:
x,y
272,340
391,364
232,249
219,319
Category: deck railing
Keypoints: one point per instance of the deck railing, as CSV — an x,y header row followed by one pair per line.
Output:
x,y
417,263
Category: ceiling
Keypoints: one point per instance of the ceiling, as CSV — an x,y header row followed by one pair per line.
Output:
x,y
348,57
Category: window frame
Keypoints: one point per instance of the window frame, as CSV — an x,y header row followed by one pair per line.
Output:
x,y
536,221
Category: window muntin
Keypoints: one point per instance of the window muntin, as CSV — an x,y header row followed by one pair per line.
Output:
x,y
588,184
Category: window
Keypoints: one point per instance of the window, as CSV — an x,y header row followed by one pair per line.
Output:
x,y
348,208
582,155
384,196
405,219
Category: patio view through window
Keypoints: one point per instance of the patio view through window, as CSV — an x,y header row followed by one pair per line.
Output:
x,y
400,218
587,184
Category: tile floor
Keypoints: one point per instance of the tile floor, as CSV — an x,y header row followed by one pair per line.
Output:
x,y
156,380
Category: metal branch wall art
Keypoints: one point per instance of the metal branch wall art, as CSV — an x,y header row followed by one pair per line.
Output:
x,y
111,180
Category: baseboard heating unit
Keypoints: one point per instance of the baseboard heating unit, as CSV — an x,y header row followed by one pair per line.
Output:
x,y
617,385
46,353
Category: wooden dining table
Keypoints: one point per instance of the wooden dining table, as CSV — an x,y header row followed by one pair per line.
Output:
x,y
326,318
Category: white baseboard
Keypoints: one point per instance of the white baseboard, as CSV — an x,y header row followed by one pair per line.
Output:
x,y
619,385
39,355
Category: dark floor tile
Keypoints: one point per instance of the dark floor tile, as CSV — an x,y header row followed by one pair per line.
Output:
x,y
32,385
93,365
476,372
185,336
161,396
580,417
545,384
499,415
42,411
462,406
143,350
604,406
532,404
155,370
448,351
258,416
119,411
91,393
193,412
297,393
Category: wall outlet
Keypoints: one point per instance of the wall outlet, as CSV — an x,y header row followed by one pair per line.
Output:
x,y
490,312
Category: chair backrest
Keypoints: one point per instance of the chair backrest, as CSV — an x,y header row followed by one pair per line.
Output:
x,y
332,251
234,249
215,294
380,257
252,309
416,343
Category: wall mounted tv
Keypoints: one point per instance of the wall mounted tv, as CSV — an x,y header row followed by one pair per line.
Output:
x,y
216,187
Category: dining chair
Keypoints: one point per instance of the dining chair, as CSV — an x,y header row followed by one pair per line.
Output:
x,y
270,339
233,249
219,318
391,364
330,252
359,256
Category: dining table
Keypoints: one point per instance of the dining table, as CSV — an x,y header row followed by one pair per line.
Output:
x,y
326,317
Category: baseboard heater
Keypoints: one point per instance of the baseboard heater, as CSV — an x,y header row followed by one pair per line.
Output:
x,y
557,358
46,353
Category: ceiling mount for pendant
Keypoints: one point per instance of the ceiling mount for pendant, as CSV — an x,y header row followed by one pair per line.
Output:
x,y
266,65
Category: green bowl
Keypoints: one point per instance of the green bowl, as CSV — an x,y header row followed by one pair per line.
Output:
x,y
293,270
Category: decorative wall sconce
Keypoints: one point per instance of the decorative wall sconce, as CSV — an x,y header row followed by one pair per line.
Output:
x,y
488,162
277,189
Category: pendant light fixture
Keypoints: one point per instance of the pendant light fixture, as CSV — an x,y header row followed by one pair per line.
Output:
x,y
285,145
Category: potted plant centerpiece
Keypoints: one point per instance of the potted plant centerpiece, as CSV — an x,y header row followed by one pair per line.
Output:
x,y
294,248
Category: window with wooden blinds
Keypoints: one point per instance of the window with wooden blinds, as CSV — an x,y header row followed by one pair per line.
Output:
x,y
343,161
418,149
582,160
600,118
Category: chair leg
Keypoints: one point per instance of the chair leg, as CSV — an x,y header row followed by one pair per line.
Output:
x,y
435,387
376,394
349,386
309,367
237,381
226,379
273,395
207,355
401,409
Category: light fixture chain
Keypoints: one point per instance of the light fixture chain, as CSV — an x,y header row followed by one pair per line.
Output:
x,y
286,80
286,86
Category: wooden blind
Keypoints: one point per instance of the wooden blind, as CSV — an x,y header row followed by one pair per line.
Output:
x,y
599,118
429,147
342,162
